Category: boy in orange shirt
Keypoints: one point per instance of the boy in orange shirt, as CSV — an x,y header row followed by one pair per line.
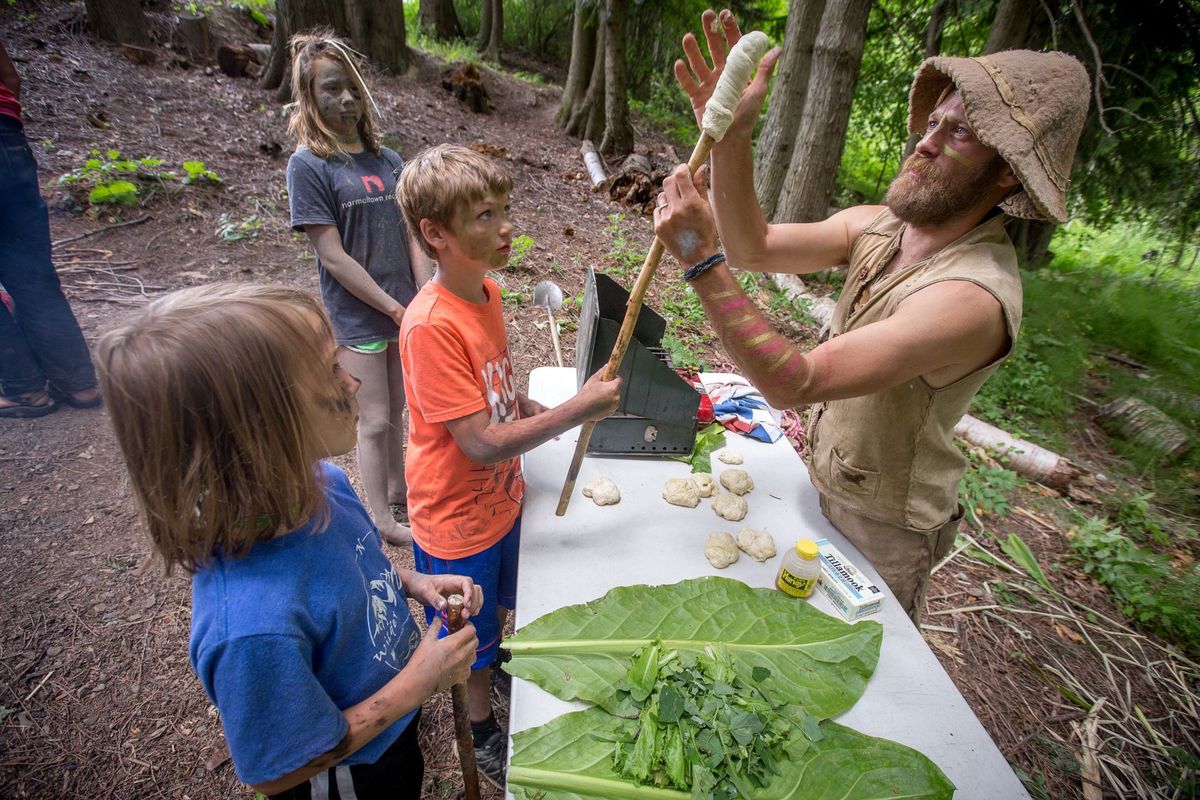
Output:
x,y
469,424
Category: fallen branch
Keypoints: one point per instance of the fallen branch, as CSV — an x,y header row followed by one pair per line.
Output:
x,y
126,224
591,160
1024,457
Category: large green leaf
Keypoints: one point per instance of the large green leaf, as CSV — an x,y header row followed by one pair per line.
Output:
x,y
571,758
582,652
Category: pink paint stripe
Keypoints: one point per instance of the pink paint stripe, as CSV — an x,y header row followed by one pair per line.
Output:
x,y
732,305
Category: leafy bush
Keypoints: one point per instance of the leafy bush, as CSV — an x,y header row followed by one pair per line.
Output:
x,y
231,230
108,178
521,247
986,489
628,254
1145,585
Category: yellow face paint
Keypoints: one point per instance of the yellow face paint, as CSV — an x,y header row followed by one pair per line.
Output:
x,y
950,152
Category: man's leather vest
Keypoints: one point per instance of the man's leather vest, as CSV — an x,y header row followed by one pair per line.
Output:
x,y
890,456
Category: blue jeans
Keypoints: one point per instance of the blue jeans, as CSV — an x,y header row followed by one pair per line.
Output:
x,y
40,342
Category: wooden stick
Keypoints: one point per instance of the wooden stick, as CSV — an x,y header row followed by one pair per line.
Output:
x,y
138,221
462,717
632,310
554,336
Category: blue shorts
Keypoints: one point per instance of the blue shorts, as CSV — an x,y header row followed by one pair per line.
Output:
x,y
495,571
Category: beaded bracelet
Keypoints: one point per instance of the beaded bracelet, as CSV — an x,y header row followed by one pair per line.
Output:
x,y
696,270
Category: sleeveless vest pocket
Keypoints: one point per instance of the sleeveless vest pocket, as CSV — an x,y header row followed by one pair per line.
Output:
x,y
850,479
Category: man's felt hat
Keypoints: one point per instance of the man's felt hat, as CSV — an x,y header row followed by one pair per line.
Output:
x,y
1028,106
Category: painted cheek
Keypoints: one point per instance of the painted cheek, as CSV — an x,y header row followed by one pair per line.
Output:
x,y
951,153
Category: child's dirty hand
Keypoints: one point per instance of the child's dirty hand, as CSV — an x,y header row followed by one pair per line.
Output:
x,y
432,590
600,398
444,662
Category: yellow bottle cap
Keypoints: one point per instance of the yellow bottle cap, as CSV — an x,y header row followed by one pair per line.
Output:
x,y
806,548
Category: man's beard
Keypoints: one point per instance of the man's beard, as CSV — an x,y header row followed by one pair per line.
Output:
x,y
931,198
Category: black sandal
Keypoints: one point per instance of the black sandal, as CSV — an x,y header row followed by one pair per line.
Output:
x,y
69,399
24,406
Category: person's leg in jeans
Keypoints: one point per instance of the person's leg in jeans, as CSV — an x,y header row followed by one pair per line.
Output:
x,y
40,341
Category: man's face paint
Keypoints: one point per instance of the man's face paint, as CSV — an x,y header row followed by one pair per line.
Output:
x,y
950,152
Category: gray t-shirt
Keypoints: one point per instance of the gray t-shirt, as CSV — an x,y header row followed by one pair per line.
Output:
x,y
358,195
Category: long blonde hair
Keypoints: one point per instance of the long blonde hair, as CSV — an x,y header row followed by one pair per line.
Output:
x,y
305,123
212,392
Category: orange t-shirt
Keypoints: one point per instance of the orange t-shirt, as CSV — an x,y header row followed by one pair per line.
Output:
x,y
456,363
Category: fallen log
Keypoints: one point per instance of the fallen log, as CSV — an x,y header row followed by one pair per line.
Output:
x,y
595,167
634,183
1025,458
1145,425
819,308
465,82
235,59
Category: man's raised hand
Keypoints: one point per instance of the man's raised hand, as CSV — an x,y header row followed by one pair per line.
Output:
x,y
698,80
696,77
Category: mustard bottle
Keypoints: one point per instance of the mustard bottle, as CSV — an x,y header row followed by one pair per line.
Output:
x,y
799,571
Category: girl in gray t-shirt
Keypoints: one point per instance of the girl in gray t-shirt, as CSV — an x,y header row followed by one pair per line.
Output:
x,y
342,186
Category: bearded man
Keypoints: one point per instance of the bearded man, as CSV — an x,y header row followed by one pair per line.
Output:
x,y
932,300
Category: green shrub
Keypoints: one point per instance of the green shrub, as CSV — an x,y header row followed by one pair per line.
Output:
x,y
107,178
986,489
1145,585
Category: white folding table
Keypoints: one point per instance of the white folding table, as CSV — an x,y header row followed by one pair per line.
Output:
x,y
643,540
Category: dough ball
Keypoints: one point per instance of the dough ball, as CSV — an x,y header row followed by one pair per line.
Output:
x,y
737,481
720,549
727,456
757,544
603,492
706,485
729,506
681,492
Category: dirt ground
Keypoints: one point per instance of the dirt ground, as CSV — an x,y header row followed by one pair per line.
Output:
x,y
96,696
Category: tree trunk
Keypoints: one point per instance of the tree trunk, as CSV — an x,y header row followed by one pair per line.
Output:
x,y
587,118
583,54
1012,25
485,25
377,30
933,46
618,131
1031,238
491,29
120,21
774,152
837,55
1019,24
374,27
439,18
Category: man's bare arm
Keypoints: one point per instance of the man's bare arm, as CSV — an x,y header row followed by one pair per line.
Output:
x,y
750,242
940,333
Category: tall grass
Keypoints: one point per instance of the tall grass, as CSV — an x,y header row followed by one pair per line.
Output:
x,y
1106,292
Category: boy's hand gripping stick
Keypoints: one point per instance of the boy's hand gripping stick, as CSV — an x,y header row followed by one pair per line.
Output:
x,y
462,718
717,115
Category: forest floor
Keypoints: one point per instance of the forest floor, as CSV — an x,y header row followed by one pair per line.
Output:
x,y
96,695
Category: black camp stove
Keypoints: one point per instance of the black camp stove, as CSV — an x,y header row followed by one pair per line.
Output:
x,y
657,413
